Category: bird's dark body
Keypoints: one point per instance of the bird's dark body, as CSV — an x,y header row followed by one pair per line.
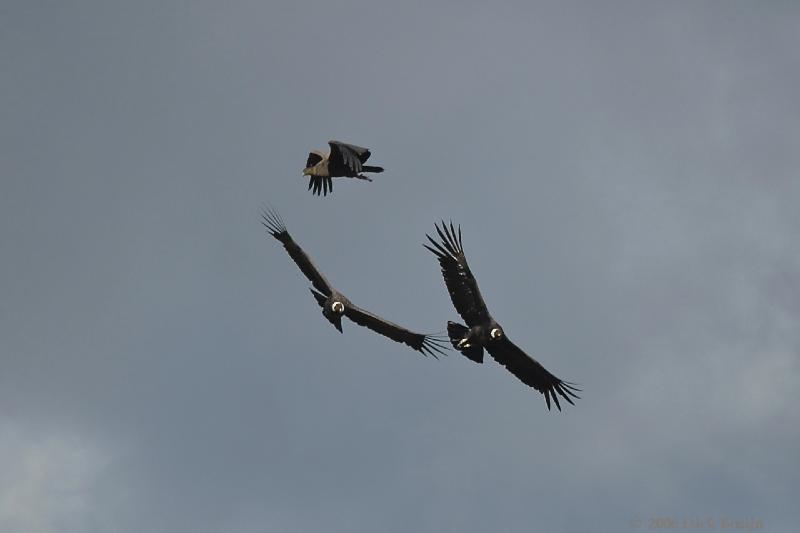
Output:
x,y
333,307
482,330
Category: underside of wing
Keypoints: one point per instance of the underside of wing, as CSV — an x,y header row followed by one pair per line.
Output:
x,y
346,159
275,226
426,344
458,278
531,372
313,159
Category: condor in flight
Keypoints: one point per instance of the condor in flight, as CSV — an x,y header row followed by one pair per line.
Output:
x,y
483,331
343,161
334,305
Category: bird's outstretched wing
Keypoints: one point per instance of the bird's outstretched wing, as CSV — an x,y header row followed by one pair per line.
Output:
x,y
426,344
346,159
274,224
458,278
531,372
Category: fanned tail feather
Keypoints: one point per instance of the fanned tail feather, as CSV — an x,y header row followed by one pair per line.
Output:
x,y
457,333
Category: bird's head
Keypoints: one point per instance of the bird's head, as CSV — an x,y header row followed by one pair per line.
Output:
x,y
333,309
496,333
307,171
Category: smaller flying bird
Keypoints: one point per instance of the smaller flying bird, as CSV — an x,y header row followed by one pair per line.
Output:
x,y
334,305
343,161
482,331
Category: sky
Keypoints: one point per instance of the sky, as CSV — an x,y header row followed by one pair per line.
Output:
x,y
625,175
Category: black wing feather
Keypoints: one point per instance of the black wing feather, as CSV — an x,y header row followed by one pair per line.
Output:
x,y
320,185
426,344
458,277
531,372
313,159
346,159
274,224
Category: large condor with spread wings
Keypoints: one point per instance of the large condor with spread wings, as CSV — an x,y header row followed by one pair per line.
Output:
x,y
343,161
482,331
334,305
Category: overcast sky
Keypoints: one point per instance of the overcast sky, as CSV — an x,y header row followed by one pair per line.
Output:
x,y
626,179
